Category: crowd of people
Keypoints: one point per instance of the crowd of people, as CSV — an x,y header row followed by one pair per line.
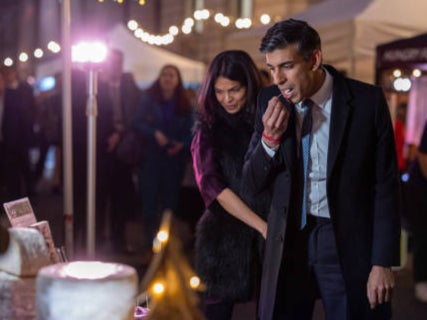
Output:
x,y
294,174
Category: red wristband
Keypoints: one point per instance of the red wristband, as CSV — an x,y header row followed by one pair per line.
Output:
x,y
271,139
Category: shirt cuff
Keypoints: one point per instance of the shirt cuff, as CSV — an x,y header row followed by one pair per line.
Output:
x,y
270,152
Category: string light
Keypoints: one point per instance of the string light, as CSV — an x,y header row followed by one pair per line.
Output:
x,y
163,236
140,2
23,57
153,39
416,73
265,19
8,62
194,282
158,288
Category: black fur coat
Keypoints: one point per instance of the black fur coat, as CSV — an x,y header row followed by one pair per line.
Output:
x,y
227,258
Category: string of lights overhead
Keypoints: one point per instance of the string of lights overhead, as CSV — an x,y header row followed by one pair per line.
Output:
x,y
140,2
187,27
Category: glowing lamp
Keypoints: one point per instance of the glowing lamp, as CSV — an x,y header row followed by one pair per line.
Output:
x,y
90,54
93,52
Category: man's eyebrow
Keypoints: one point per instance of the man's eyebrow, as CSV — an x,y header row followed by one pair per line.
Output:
x,y
282,64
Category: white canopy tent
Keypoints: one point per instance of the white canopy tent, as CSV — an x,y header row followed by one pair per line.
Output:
x,y
351,29
143,60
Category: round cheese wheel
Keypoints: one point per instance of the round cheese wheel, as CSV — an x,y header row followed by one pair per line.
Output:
x,y
86,290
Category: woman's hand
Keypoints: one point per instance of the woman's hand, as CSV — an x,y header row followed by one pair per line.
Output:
x,y
237,208
263,230
174,148
161,139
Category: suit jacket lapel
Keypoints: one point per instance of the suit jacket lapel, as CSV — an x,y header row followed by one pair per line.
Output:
x,y
288,149
340,112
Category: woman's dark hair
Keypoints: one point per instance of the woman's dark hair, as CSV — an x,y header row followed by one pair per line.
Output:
x,y
288,32
183,105
235,65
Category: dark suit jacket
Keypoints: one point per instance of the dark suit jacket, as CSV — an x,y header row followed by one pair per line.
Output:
x,y
18,113
362,188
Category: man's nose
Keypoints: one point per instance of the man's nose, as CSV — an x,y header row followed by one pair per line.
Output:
x,y
278,77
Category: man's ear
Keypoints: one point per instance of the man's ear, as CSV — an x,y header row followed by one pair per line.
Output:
x,y
316,59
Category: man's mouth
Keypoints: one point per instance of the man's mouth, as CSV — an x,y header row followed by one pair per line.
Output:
x,y
287,93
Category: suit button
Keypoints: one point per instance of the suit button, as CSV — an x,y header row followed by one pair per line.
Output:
x,y
279,237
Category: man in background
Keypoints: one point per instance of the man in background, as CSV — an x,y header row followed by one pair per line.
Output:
x,y
17,109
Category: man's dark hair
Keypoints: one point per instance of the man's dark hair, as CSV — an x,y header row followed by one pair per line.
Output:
x,y
288,32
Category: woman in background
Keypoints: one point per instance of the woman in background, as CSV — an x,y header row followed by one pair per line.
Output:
x,y
163,120
226,250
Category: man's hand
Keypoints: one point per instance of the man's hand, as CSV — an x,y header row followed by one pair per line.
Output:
x,y
380,285
275,121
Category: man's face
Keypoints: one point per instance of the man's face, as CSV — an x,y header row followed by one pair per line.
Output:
x,y
9,76
294,76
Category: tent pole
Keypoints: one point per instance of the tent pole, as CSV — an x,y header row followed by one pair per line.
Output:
x,y
67,127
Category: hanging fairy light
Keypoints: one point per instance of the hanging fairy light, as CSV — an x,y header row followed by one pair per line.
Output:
x,y
132,25
8,62
243,23
54,46
397,73
38,53
159,40
416,73
402,84
23,57
221,19
140,2
265,19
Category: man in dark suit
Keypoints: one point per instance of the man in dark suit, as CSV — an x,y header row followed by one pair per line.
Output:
x,y
16,135
343,250
119,93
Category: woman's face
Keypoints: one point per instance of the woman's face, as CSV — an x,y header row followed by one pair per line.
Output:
x,y
168,80
230,94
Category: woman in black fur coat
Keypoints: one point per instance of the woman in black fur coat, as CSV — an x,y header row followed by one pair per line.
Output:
x,y
226,234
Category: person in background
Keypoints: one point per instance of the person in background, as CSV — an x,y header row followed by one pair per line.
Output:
x,y
225,235
266,80
120,94
18,108
399,135
342,247
416,196
3,192
49,133
190,203
163,120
